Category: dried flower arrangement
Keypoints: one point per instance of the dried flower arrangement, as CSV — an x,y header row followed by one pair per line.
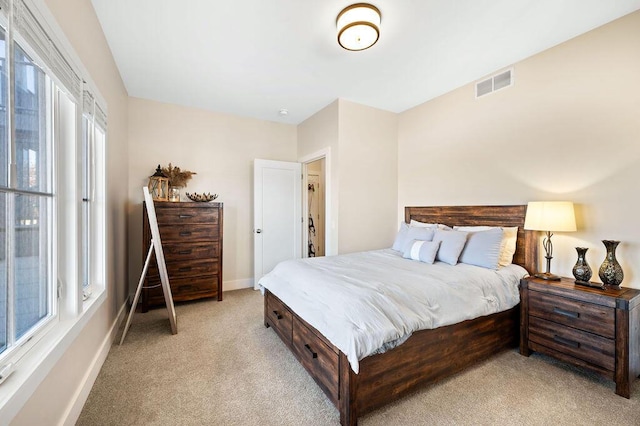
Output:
x,y
177,177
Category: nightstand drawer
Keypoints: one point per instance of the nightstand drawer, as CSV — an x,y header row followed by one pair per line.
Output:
x,y
585,346
581,315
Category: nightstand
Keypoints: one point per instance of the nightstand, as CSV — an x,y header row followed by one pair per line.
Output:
x,y
596,329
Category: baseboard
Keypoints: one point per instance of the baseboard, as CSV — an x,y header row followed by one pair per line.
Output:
x,y
74,409
237,284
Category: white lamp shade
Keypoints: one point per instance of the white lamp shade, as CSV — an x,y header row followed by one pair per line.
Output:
x,y
358,26
550,216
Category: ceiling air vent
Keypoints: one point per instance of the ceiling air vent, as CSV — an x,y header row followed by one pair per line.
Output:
x,y
494,83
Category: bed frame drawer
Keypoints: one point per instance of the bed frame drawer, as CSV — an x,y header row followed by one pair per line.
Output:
x,y
279,317
317,357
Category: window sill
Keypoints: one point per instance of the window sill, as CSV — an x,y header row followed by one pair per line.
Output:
x,y
35,365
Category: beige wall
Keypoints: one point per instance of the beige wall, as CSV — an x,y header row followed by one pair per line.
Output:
x,y
320,132
568,129
54,397
363,172
368,189
220,148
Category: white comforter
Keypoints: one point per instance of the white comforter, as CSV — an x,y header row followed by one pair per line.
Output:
x,y
370,301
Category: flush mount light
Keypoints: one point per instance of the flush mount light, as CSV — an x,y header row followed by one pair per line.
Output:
x,y
358,26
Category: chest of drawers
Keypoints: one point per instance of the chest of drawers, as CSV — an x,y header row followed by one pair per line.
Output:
x,y
191,235
593,328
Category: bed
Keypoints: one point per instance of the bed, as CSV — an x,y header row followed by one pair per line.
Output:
x,y
427,355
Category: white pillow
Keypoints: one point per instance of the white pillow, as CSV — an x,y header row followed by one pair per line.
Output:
x,y
508,246
483,248
424,251
451,245
474,228
416,224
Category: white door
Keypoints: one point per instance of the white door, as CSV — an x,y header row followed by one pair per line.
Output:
x,y
277,223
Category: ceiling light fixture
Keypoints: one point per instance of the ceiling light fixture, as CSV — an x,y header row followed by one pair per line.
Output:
x,y
358,26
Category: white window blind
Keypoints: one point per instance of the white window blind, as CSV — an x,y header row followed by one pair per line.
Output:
x,y
92,109
35,35
100,117
88,102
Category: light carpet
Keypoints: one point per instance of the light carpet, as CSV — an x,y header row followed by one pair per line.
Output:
x,y
225,368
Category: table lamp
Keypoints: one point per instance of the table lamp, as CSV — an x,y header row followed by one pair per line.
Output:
x,y
550,216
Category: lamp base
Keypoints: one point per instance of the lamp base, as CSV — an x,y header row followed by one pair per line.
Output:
x,y
547,276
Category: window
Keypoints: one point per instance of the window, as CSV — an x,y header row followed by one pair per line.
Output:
x,y
4,155
52,187
93,189
87,141
27,299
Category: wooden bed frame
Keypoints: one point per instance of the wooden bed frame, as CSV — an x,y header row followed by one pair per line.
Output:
x,y
428,355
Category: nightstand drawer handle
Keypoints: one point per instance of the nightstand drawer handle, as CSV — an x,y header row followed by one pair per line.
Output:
x,y
184,252
569,314
185,216
566,341
185,233
313,354
278,316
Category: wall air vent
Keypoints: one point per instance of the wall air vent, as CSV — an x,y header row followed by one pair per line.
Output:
x,y
494,83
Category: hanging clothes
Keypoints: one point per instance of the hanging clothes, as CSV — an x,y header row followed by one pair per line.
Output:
x,y
312,229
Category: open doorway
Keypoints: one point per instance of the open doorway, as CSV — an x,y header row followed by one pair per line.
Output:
x,y
315,214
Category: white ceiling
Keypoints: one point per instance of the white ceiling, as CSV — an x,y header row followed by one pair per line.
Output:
x,y
255,57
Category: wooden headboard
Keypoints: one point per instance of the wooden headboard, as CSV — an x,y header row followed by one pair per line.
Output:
x,y
526,245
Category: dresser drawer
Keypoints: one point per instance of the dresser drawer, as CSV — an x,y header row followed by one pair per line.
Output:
x,y
187,252
186,215
183,289
187,268
319,359
586,346
573,313
279,317
188,233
